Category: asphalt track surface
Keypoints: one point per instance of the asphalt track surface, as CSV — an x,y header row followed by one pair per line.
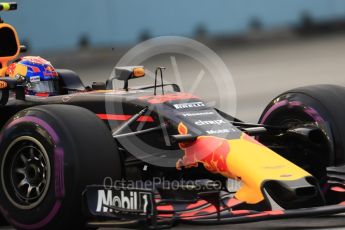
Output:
x,y
260,72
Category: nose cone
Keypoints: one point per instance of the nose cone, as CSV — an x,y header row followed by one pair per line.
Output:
x,y
255,164
250,162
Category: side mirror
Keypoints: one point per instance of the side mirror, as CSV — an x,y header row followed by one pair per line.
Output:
x,y
127,73
9,46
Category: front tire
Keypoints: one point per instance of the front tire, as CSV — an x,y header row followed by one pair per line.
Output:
x,y
320,104
48,155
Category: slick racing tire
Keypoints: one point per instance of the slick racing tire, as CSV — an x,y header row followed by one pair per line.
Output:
x,y
48,155
323,105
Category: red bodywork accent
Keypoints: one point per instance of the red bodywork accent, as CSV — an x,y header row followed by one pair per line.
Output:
x,y
195,214
42,94
122,117
210,208
240,212
268,213
167,207
158,99
338,189
197,204
233,202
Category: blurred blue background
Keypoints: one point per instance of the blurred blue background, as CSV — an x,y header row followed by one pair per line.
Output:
x,y
269,46
65,24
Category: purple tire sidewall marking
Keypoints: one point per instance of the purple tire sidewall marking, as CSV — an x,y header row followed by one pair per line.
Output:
x,y
58,172
273,108
42,222
308,110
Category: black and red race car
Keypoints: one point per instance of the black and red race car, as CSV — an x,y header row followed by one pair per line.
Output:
x,y
152,157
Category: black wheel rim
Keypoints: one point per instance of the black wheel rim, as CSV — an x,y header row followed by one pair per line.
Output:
x,y
26,172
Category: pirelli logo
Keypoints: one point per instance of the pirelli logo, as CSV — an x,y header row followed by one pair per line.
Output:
x,y
189,105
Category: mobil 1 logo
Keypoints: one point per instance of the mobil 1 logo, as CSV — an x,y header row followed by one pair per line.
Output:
x,y
135,202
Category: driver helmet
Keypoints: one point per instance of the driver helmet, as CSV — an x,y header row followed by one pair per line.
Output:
x,y
38,74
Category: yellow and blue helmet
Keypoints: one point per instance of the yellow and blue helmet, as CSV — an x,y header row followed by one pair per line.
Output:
x,y
39,75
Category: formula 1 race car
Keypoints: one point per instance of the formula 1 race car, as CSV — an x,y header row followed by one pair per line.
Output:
x,y
104,157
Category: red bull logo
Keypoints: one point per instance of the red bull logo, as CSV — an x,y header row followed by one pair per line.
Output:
x,y
211,151
50,71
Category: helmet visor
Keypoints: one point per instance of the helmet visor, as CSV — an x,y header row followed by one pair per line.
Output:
x,y
51,87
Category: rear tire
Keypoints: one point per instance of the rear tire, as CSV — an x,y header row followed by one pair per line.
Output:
x,y
321,104
66,146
